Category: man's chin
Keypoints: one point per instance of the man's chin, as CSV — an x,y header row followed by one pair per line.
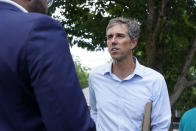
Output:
x,y
115,57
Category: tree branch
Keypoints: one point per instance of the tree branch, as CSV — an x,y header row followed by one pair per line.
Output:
x,y
163,6
160,19
178,89
191,83
189,58
182,83
154,25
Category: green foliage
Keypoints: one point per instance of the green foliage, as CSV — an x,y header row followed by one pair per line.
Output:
x,y
82,73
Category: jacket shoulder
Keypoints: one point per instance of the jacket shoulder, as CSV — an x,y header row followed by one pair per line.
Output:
x,y
37,18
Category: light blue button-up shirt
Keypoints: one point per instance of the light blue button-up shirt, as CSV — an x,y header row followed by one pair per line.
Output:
x,y
118,105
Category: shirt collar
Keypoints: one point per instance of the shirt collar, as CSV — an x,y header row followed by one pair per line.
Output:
x,y
15,4
138,68
108,69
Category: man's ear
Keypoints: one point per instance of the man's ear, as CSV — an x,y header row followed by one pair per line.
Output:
x,y
134,43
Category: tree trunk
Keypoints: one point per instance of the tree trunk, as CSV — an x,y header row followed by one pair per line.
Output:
x,y
153,26
182,82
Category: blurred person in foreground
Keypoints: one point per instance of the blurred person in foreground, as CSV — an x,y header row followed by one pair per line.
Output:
x,y
39,89
188,121
119,90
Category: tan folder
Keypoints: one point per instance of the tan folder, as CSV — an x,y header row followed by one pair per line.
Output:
x,y
147,117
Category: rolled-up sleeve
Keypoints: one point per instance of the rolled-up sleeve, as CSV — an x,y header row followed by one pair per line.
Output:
x,y
161,110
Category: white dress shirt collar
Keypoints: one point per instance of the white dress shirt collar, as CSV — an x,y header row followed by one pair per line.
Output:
x,y
15,4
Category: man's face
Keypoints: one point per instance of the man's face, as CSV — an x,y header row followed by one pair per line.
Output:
x,y
118,42
39,6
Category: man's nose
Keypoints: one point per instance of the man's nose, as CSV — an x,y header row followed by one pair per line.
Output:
x,y
114,41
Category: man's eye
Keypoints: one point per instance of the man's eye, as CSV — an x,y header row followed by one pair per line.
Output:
x,y
109,37
121,36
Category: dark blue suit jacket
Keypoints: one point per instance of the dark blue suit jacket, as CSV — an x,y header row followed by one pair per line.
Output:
x,y
39,89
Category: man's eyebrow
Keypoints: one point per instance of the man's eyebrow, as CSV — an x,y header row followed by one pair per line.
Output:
x,y
109,35
116,33
120,33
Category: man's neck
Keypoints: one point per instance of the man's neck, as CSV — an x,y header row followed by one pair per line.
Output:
x,y
124,68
